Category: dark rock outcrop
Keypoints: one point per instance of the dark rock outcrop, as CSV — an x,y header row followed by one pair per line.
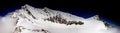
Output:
x,y
58,19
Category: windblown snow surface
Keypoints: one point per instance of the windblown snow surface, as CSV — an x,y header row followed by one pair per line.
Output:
x,y
36,20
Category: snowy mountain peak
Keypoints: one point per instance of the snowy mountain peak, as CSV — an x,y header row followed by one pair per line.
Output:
x,y
96,17
29,19
26,6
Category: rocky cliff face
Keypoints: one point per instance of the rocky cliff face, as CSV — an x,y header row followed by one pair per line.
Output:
x,y
35,20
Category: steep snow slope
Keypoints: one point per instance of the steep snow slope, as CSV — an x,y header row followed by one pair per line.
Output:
x,y
35,20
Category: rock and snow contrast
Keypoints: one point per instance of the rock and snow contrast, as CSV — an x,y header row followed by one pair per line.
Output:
x,y
35,20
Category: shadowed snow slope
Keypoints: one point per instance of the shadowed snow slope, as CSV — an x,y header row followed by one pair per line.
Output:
x,y
35,20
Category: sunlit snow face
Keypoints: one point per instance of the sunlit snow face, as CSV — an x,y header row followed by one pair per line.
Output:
x,y
15,23
88,27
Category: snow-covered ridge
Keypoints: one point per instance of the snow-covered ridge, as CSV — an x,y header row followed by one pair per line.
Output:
x,y
35,20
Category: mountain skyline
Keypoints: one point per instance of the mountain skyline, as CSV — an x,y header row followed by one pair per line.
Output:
x,y
108,9
29,19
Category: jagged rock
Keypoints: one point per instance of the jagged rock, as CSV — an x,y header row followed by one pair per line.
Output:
x,y
35,20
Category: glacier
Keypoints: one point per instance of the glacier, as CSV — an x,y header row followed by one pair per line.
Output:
x,y
29,19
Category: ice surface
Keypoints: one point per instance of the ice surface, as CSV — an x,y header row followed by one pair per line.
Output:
x,y
33,20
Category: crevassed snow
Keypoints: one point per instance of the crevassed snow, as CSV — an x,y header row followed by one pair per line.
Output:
x,y
32,20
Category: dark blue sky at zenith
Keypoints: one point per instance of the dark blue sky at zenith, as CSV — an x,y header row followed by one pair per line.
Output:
x,y
78,12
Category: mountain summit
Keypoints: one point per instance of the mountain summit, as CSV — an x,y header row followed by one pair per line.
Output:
x,y
44,20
